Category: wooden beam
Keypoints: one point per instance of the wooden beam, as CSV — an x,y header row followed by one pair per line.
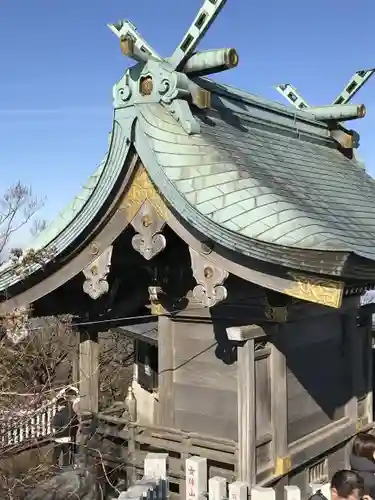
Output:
x,y
89,371
75,359
246,332
165,414
351,349
246,414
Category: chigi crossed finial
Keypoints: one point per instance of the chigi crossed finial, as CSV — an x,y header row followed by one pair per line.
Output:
x,y
339,111
170,81
353,86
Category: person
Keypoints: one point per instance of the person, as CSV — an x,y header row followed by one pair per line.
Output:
x,y
64,426
73,398
345,485
362,460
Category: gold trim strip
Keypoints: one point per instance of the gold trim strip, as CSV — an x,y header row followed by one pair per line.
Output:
x,y
316,289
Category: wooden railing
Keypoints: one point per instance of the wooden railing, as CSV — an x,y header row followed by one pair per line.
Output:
x,y
140,440
17,428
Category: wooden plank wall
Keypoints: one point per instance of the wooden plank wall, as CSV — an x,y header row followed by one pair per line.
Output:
x,y
318,372
205,385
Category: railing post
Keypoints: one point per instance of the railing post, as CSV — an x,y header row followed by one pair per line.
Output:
x,y
259,493
156,465
33,426
37,423
9,432
21,431
217,488
238,491
15,432
324,488
130,469
292,493
196,478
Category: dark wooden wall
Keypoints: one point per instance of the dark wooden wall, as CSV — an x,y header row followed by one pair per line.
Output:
x,y
205,384
318,372
290,398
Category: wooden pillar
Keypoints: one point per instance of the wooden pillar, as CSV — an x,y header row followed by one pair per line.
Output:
x,y
359,358
279,409
246,414
89,371
75,359
370,381
165,377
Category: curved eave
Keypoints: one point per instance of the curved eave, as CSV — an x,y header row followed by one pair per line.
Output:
x,y
77,218
149,138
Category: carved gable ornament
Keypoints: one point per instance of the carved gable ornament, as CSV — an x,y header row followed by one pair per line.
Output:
x,y
96,284
210,289
148,224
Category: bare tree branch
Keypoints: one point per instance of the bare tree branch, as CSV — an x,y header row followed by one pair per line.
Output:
x,y
18,207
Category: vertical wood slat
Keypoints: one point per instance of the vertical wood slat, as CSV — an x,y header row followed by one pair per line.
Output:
x,y
351,350
246,414
370,369
279,409
166,414
89,371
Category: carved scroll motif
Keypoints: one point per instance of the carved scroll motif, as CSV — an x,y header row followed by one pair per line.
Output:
x,y
210,278
96,284
149,241
15,324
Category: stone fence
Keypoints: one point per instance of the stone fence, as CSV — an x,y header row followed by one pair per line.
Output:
x,y
154,484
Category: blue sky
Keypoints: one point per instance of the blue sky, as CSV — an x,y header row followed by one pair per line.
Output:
x,y
59,62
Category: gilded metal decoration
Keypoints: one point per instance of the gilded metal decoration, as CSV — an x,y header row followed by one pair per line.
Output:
x,y
146,85
142,189
210,278
282,465
149,241
316,289
15,324
156,307
96,284
171,81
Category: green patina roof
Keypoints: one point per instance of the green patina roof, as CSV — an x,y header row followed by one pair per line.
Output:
x,y
58,225
266,184
64,230
258,178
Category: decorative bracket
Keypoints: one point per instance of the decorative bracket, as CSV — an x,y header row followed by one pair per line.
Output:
x,y
15,324
96,284
149,241
210,278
